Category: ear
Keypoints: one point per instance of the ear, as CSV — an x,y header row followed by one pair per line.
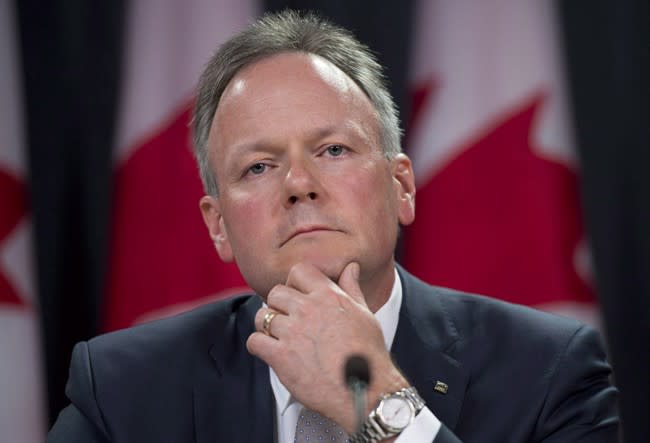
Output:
x,y
213,218
404,181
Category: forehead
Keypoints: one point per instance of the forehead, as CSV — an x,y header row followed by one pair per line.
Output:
x,y
296,68
286,93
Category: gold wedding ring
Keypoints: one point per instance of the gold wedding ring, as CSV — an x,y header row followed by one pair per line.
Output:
x,y
266,322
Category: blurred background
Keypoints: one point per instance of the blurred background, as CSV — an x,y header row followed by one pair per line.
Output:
x,y
527,122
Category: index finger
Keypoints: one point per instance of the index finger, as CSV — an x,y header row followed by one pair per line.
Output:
x,y
306,278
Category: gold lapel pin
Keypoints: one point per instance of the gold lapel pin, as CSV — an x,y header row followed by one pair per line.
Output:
x,y
441,387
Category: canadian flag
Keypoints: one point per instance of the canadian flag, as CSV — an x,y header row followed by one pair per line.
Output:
x,y
162,260
498,208
22,407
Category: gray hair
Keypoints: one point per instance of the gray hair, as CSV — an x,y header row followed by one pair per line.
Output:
x,y
290,31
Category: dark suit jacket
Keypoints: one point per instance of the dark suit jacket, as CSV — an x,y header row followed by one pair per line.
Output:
x,y
514,375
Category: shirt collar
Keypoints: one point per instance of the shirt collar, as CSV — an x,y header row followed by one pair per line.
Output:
x,y
387,316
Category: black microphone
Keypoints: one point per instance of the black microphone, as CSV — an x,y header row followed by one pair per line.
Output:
x,y
357,379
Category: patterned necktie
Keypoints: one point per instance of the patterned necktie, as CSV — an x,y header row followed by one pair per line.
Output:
x,y
313,428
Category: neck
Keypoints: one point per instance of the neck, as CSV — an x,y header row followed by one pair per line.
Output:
x,y
377,286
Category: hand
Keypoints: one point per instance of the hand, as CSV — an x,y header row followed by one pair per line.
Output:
x,y
318,325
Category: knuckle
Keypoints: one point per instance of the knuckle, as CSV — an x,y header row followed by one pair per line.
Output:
x,y
299,306
274,294
294,271
251,343
293,329
259,316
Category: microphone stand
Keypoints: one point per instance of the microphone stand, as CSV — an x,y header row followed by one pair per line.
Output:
x,y
357,379
359,390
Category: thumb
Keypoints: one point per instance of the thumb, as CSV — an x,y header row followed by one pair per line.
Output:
x,y
349,282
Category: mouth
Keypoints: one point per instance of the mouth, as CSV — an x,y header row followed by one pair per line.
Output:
x,y
310,229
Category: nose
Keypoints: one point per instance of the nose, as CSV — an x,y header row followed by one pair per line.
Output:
x,y
301,182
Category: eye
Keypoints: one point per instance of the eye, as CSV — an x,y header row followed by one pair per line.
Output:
x,y
335,150
257,168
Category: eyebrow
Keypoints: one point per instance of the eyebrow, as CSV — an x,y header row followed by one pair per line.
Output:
x,y
315,135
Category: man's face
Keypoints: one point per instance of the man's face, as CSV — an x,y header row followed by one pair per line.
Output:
x,y
295,148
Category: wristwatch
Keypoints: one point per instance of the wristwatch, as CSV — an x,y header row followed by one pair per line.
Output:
x,y
392,415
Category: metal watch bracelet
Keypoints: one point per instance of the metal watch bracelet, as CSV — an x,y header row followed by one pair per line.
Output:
x,y
372,430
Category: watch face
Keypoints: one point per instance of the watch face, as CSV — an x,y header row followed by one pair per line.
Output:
x,y
396,412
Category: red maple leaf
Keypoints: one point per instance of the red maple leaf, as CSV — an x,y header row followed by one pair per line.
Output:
x,y
14,207
501,220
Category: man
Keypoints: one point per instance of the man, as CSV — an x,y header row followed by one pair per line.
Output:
x,y
298,147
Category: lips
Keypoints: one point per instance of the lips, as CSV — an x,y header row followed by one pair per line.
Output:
x,y
306,230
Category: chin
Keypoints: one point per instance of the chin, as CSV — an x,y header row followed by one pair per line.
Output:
x,y
262,282
331,270
330,265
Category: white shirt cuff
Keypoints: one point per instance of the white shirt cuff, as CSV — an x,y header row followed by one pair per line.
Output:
x,y
424,428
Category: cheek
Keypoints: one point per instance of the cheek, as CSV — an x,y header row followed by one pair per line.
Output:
x,y
372,203
244,217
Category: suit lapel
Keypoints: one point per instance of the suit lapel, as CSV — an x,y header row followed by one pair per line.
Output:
x,y
423,350
233,400
232,388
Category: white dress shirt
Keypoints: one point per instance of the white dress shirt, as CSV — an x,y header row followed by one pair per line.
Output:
x,y
423,429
